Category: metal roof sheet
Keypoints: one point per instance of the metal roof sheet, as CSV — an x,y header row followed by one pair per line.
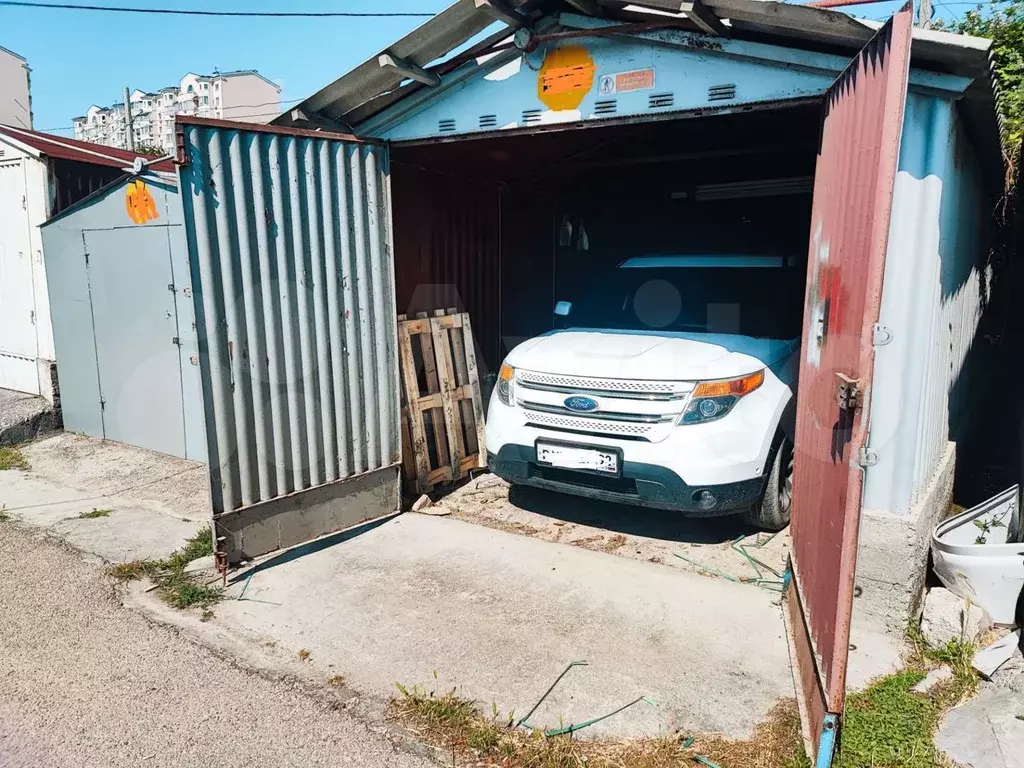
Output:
x,y
346,99
79,151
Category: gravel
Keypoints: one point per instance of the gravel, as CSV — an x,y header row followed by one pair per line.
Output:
x,y
87,682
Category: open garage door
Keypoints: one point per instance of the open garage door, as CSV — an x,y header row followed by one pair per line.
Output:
x,y
853,189
289,238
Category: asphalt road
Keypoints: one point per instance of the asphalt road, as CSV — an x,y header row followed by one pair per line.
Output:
x,y
86,682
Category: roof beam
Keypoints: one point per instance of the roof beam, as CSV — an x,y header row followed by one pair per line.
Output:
x,y
499,10
694,10
588,7
704,18
408,69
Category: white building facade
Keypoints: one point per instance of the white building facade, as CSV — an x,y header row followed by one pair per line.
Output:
x,y
15,90
245,96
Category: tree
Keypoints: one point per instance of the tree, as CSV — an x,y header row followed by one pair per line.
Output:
x,y
1003,22
148,150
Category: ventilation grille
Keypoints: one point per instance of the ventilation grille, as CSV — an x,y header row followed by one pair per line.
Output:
x,y
607,107
722,92
447,125
660,100
488,121
531,116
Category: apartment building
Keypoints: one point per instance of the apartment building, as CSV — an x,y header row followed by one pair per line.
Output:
x,y
15,90
244,95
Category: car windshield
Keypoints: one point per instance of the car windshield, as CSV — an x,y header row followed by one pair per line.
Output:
x,y
760,296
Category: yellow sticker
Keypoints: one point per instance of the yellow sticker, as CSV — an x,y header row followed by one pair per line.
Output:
x,y
566,77
139,202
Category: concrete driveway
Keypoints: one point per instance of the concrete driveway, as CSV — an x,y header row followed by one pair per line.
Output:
x,y
500,616
446,603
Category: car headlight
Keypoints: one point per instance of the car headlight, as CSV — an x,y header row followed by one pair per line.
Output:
x,y
506,383
712,400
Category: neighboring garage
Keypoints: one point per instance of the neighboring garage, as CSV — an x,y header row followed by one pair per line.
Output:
x,y
40,176
123,319
608,130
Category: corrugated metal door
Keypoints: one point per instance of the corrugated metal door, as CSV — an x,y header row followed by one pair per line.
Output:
x,y
136,336
289,237
19,346
853,188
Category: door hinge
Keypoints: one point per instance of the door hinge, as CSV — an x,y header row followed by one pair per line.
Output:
x,y
847,392
881,335
176,341
868,457
170,287
103,404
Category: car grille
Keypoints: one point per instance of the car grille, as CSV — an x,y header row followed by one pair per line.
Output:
x,y
590,425
639,389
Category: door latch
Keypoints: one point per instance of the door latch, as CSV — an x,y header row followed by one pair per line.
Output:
x,y
868,456
847,392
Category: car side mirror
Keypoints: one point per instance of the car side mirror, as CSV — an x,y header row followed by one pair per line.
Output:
x,y
563,308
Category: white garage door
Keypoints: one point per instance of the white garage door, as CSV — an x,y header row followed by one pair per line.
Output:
x,y
18,344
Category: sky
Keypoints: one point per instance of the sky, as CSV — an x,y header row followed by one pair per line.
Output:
x,y
79,58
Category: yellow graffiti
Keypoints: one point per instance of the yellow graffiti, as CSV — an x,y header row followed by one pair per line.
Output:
x,y
565,77
139,202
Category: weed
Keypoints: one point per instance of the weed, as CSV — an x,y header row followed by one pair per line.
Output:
x,y
12,458
174,585
134,570
304,654
338,681
4,514
95,513
206,615
181,590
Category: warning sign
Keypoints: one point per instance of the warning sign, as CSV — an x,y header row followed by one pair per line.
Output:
x,y
566,76
624,82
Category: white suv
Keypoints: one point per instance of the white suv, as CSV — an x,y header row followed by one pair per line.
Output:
x,y
672,388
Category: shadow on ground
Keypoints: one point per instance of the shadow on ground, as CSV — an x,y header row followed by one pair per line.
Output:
x,y
632,521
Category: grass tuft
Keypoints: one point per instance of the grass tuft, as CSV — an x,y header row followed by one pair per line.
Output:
x,y
174,585
95,513
12,458
4,514
304,654
337,681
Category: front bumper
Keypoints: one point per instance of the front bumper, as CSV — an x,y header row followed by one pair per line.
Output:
x,y
638,484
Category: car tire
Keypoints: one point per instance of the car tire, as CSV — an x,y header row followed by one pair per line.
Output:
x,y
773,511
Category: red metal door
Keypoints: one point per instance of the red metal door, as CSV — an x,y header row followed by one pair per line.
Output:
x,y
853,189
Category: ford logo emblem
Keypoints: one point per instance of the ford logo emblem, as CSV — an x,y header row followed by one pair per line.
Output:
x,y
580,403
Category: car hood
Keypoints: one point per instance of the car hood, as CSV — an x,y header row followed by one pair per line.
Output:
x,y
649,355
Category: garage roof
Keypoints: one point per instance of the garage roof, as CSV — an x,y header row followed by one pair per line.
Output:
x,y
370,88
80,151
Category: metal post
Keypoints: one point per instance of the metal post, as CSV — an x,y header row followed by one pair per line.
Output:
x,y
924,14
128,120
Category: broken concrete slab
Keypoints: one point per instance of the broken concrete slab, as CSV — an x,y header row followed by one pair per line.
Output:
x,y
500,616
990,658
949,617
933,678
146,494
985,732
24,417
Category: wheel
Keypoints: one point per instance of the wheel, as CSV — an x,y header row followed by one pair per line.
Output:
x,y
772,512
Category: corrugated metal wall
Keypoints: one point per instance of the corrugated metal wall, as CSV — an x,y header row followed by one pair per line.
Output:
x,y
290,239
936,290
853,188
447,251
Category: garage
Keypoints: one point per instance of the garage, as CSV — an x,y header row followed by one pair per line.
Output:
x,y
815,178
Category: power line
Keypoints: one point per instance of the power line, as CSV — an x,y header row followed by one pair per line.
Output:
x,y
193,12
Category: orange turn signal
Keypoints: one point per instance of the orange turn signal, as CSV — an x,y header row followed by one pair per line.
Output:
x,y
737,387
506,373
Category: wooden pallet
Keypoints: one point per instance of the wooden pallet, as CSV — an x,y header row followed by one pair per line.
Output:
x,y
443,413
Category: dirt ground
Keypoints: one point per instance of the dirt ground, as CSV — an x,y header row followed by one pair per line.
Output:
x,y
702,546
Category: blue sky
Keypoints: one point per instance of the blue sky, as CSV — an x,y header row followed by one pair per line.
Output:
x,y
80,58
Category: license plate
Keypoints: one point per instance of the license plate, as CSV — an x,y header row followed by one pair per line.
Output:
x,y
567,457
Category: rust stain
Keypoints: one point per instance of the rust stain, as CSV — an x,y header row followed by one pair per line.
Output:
x,y
565,78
